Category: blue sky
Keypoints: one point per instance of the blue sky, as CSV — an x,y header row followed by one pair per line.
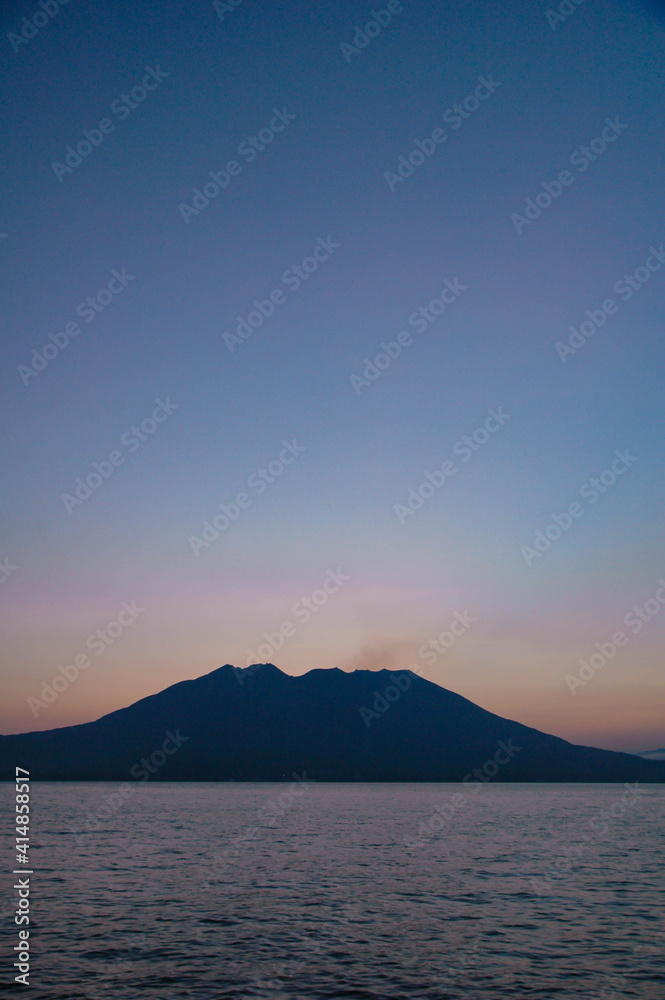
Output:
x,y
323,178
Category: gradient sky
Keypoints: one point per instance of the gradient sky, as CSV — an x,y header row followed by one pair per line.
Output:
x,y
163,336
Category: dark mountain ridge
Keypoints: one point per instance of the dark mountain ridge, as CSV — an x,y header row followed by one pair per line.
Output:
x,y
259,724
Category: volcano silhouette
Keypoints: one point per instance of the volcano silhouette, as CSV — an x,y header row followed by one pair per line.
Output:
x,y
260,724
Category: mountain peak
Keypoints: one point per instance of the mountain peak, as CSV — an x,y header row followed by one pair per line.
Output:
x,y
257,724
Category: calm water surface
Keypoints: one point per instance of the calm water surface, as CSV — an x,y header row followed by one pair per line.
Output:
x,y
207,891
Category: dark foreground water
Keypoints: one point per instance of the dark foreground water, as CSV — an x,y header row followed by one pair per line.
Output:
x,y
229,891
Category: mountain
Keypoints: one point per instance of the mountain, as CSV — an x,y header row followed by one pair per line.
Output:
x,y
653,754
261,724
